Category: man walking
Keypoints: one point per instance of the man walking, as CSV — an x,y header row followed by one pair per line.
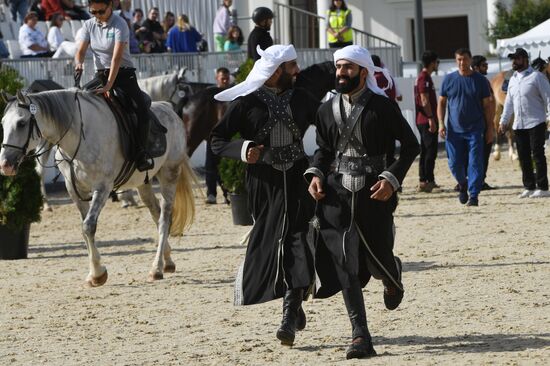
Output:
x,y
222,22
426,121
466,94
272,117
357,199
480,64
528,99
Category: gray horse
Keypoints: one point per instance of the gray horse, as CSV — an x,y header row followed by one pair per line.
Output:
x,y
85,132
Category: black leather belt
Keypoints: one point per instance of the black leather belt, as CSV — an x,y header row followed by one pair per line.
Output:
x,y
283,154
357,166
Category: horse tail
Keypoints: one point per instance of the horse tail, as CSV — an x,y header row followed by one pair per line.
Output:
x,y
183,212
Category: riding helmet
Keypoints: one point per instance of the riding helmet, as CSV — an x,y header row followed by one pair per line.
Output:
x,y
262,13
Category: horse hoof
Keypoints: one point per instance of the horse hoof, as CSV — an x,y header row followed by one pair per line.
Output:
x,y
154,277
170,268
496,156
98,281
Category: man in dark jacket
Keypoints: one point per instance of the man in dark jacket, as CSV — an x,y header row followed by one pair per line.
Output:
x,y
263,18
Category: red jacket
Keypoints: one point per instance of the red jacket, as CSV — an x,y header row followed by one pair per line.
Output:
x,y
50,7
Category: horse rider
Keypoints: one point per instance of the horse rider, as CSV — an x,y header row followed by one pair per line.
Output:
x,y
357,198
272,117
107,35
263,18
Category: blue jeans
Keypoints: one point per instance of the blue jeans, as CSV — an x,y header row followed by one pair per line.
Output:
x,y
20,7
465,153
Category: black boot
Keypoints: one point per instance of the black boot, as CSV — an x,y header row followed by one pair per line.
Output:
x,y
291,308
361,346
393,294
143,159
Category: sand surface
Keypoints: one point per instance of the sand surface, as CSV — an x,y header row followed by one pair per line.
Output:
x,y
477,290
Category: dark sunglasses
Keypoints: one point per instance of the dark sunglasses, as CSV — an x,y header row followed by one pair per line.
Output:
x,y
98,12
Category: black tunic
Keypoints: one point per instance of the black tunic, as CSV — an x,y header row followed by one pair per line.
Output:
x,y
263,276
258,36
335,260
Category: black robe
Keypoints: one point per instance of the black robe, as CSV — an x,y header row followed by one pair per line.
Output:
x,y
381,122
263,277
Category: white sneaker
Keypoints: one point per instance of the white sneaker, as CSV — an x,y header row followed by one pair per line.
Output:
x,y
210,199
540,194
526,193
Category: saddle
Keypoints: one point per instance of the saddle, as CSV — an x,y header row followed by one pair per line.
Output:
x,y
124,110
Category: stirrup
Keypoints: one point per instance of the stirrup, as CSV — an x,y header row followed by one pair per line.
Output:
x,y
144,161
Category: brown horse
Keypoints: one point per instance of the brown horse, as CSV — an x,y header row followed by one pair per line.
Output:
x,y
500,96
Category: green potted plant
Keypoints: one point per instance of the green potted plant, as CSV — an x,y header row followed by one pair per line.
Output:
x,y
20,196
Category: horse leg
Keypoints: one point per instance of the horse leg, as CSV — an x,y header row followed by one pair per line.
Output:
x,y
42,161
127,199
168,181
511,149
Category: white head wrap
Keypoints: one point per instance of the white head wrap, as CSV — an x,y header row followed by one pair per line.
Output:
x,y
271,58
361,56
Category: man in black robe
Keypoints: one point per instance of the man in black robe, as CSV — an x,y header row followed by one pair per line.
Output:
x,y
271,118
357,197
263,18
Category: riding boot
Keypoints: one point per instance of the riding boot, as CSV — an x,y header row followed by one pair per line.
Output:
x,y
361,345
292,302
143,159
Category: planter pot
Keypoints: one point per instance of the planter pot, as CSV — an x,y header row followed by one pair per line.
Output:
x,y
14,243
239,209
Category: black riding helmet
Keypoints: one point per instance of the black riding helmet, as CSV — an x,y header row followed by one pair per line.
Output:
x,y
262,13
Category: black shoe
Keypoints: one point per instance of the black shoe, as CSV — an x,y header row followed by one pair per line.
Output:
x,y
457,188
486,187
393,295
472,202
291,307
144,161
360,348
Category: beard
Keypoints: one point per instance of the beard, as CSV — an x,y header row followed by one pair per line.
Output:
x,y
286,81
349,86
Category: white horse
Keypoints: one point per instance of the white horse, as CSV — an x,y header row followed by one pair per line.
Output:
x,y
172,88
86,134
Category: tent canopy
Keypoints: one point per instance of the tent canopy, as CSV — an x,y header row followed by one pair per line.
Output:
x,y
535,40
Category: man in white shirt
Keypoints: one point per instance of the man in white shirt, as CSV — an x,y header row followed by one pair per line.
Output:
x,y
528,99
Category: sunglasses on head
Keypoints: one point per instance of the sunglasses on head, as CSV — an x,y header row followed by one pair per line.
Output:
x,y
98,12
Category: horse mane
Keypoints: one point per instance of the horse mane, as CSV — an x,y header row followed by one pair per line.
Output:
x,y
317,79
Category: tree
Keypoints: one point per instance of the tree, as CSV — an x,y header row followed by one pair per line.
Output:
x,y
519,18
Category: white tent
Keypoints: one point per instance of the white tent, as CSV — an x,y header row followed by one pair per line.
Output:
x,y
535,40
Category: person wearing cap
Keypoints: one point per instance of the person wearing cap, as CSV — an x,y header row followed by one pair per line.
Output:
x,y
426,121
263,18
271,117
528,99
466,94
480,64
357,199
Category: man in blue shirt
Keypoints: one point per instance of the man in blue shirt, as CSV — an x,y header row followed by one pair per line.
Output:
x,y
466,94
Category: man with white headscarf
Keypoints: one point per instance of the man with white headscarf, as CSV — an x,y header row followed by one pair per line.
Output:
x,y
357,199
272,117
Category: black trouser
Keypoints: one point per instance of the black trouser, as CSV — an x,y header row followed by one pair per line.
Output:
x,y
127,81
530,144
212,176
43,54
339,44
428,153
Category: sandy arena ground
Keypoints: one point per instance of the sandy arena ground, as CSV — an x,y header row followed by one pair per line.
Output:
x,y
477,290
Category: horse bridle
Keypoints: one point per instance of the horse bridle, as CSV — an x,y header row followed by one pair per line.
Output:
x,y
33,125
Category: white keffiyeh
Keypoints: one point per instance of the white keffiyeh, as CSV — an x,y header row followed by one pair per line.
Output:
x,y
271,58
361,56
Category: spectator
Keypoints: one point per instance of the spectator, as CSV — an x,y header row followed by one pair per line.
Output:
x,y
467,95
212,176
168,21
153,34
234,39
339,32
31,41
4,53
58,44
222,22
480,64
528,99
183,37
18,7
263,17
138,18
426,121
126,10
66,7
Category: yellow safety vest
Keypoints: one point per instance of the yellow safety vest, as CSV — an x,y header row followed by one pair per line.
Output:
x,y
337,21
